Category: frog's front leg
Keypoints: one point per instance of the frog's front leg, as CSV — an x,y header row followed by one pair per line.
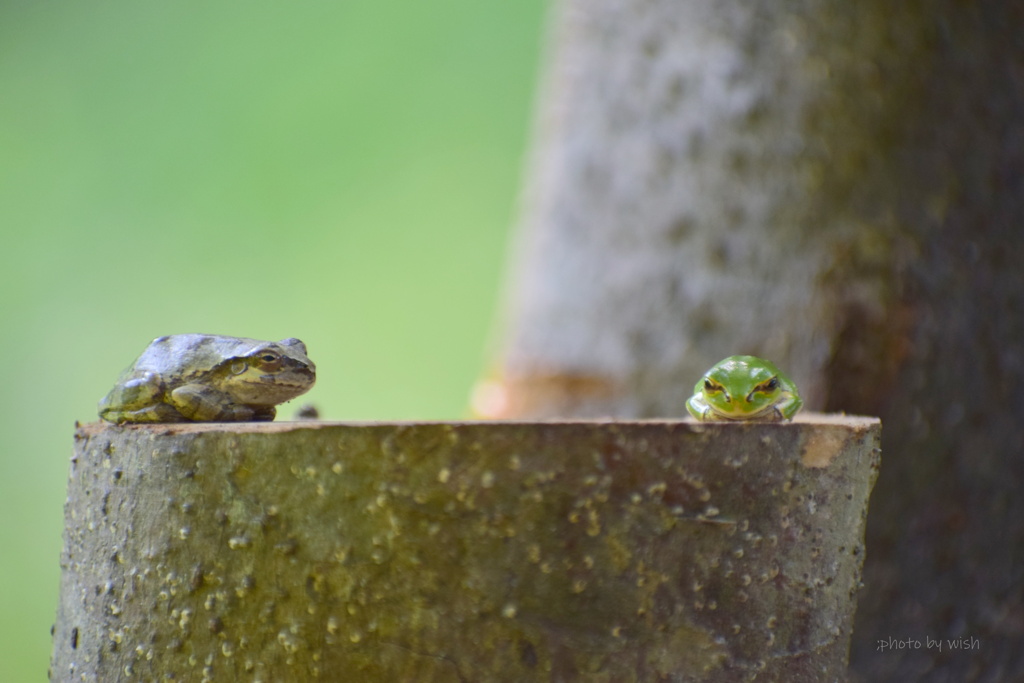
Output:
x,y
698,407
200,403
788,407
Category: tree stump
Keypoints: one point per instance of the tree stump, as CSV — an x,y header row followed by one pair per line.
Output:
x,y
476,551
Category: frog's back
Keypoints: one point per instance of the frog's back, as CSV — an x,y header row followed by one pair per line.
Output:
x,y
177,357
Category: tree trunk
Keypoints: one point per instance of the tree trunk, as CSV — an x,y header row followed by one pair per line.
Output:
x,y
838,187
628,551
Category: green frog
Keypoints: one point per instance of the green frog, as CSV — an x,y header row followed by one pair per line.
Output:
x,y
744,388
209,378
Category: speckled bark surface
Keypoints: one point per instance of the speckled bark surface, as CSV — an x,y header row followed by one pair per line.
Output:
x,y
554,551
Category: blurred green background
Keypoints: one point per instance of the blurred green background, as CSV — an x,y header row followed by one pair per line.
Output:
x,y
344,172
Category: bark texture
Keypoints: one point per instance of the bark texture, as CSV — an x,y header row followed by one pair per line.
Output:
x,y
838,187
634,551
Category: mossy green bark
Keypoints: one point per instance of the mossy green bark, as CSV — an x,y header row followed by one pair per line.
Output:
x,y
552,551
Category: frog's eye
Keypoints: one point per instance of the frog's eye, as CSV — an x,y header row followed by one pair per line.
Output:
x,y
268,357
769,386
711,386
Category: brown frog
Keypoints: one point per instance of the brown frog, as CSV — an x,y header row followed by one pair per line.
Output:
x,y
209,378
